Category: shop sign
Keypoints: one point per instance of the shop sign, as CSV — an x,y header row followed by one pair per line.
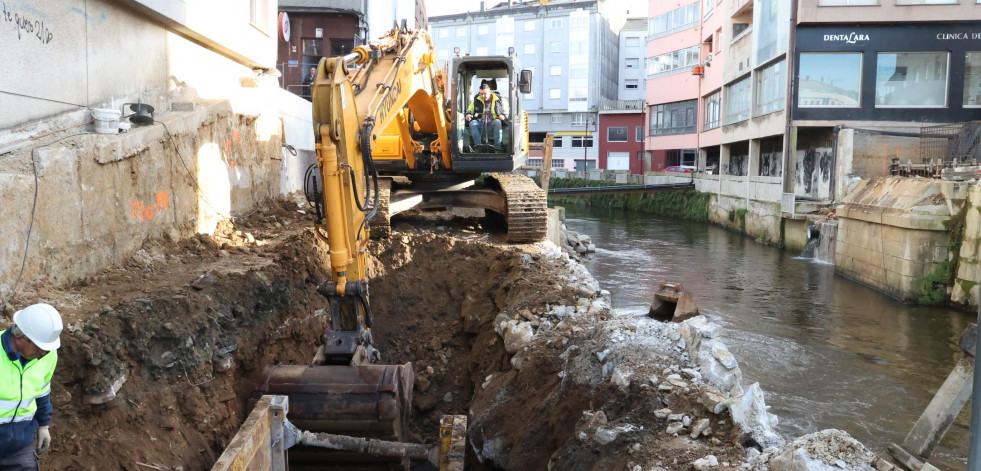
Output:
x,y
850,38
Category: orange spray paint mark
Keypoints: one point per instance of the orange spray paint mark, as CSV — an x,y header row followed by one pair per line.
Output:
x,y
145,212
236,136
228,146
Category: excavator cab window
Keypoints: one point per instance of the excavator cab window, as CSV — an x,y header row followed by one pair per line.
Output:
x,y
484,122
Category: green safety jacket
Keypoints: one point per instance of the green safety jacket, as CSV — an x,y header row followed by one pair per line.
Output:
x,y
25,396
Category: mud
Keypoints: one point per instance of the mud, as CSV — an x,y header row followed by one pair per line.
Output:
x,y
159,357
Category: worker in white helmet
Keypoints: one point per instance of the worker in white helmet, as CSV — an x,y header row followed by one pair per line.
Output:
x,y
26,369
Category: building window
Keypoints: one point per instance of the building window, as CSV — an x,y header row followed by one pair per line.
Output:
x,y
534,162
554,93
529,48
461,31
674,61
578,22
578,47
632,63
738,101
555,70
556,118
771,88
557,141
846,3
533,119
616,134
673,21
558,163
529,25
926,2
482,51
582,141
830,80
633,41
555,47
579,119
673,118
578,71
555,23
708,6
631,84
482,30
259,15
578,94
911,79
639,134
972,79
713,108
444,32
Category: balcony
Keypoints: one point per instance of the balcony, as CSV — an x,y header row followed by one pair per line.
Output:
x,y
622,106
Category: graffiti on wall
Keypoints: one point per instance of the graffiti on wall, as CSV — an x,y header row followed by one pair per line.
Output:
x,y
27,26
738,164
145,212
770,163
813,172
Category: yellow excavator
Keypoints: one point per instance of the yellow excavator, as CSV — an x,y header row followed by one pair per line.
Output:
x,y
390,138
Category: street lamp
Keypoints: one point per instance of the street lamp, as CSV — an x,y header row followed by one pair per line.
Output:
x,y
586,124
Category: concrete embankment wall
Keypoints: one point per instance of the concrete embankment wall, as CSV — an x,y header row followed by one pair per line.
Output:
x,y
966,289
100,196
893,234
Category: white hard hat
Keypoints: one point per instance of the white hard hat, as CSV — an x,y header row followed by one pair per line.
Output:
x,y
41,323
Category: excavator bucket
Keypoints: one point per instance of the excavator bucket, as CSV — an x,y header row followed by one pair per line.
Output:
x,y
371,401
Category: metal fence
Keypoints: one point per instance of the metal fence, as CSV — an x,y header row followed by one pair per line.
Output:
x,y
953,144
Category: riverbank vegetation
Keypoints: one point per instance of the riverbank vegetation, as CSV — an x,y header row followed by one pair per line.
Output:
x,y
687,204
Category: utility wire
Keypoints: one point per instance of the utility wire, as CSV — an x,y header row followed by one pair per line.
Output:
x,y
43,99
30,228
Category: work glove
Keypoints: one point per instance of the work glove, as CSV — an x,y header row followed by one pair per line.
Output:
x,y
43,439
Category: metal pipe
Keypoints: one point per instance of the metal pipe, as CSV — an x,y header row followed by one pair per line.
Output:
x,y
371,446
974,449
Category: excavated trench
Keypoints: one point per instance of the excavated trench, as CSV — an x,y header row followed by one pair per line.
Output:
x,y
160,357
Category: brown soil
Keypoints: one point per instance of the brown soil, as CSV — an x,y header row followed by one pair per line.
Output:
x,y
439,288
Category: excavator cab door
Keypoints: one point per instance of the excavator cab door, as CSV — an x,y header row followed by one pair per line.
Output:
x,y
484,142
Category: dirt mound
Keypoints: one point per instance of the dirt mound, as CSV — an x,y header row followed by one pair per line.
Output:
x,y
160,357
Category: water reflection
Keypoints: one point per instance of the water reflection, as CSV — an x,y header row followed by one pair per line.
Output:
x,y
830,353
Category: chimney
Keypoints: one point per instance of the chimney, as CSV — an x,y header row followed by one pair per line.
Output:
x,y
481,6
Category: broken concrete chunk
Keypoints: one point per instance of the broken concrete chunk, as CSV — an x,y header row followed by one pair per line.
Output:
x,y
110,394
605,435
700,426
823,451
691,373
662,413
673,428
621,376
750,415
601,356
517,335
721,353
707,462
204,281
713,400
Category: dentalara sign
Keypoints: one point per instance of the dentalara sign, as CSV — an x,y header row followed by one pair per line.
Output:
x,y
880,37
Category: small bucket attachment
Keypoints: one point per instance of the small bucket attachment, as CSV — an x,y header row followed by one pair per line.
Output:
x,y
672,303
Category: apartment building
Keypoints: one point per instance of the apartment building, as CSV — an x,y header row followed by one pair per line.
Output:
x,y
621,121
571,48
684,80
905,65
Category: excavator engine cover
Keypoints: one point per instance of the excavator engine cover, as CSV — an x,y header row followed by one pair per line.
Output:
x,y
370,401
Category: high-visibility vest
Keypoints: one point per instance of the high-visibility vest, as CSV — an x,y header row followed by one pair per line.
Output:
x,y
21,385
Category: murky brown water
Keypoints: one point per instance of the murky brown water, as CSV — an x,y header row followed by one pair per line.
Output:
x,y
829,352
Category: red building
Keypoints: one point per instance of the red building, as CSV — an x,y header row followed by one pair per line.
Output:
x,y
321,31
621,133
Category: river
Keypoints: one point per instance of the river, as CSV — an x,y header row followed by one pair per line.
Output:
x,y
827,351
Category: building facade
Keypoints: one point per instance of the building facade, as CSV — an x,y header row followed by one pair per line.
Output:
x,y
318,29
908,64
684,80
571,47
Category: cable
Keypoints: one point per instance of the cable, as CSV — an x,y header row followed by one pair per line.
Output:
x,y
30,228
43,99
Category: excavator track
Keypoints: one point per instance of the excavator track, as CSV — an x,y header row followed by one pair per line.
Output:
x,y
526,216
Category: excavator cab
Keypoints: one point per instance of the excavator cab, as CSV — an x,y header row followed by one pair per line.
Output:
x,y
484,142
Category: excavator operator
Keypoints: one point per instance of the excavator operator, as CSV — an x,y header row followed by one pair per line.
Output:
x,y
487,110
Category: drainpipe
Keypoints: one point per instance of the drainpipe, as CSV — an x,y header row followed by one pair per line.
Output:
x,y
788,168
834,163
974,450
